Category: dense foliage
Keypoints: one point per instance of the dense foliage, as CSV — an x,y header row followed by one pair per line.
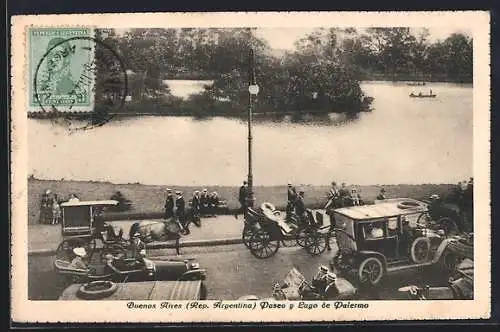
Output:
x,y
322,74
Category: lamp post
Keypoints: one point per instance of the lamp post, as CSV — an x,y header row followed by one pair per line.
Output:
x,y
253,90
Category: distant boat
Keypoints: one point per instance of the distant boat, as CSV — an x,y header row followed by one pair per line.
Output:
x,y
412,95
416,84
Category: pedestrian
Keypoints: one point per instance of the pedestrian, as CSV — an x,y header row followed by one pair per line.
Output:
x,y
291,198
333,197
205,199
214,203
196,206
45,208
138,247
381,195
242,198
56,211
169,205
180,211
354,197
300,207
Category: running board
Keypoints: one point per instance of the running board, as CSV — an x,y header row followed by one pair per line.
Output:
x,y
407,267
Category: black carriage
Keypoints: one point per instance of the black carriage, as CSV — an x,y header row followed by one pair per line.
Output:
x,y
81,225
265,230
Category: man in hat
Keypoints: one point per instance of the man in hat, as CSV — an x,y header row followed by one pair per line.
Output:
x,y
242,198
204,199
333,196
196,207
138,247
180,206
300,207
46,207
213,203
169,205
78,262
319,280
381,195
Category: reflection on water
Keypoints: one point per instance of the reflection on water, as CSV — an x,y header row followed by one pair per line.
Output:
x,y
403,140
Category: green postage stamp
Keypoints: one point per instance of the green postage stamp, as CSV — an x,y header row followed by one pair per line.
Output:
x,y
61,69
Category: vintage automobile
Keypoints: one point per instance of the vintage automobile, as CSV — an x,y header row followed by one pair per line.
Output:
x,y
379,239
460,286
133,269
295,287
149,290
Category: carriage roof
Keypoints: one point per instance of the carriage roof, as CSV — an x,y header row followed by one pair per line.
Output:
x,y
382,209
90,203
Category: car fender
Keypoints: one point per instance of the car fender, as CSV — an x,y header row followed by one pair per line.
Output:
x,y
362,254
440,250
196,274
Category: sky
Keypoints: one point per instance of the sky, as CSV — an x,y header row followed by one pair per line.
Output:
x,y
284,38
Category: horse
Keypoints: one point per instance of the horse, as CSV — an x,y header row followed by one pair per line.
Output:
x,y
150,231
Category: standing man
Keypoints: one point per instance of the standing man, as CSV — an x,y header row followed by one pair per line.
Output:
x,y
333,196
196,206
180,205
205,198
300,207
169,205
291,197
242,198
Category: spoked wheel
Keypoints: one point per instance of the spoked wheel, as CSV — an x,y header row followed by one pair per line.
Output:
x,y
316,243
371,271
302,236
449,226
247,235
262,245
420,249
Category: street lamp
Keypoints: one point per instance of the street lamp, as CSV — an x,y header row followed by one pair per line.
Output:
x,y
253,90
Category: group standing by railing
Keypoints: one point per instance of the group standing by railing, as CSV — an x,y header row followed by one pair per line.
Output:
x,y
50,207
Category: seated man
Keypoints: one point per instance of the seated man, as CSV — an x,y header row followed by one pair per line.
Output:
x,y
78,262
319,281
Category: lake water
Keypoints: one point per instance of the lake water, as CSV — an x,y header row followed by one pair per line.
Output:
x,y
404,140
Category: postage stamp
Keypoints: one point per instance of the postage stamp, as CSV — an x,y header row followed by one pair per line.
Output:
x,y
61,76
251,167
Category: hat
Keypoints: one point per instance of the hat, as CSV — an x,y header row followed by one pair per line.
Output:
x,y
289,184
79,251
324,268
136,234
334,183
434,196
168,190
196,191
244,182
331,277
178,192
48,191
205,190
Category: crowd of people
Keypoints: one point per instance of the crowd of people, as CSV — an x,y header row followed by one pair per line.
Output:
x,y
50,207
345,196
203,204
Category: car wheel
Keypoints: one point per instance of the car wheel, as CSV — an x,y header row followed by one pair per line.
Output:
x,y
371,271
420,249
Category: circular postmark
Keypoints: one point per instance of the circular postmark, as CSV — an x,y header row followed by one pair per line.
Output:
x,y
81,94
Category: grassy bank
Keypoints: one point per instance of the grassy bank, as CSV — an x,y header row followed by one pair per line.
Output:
x,y
150,198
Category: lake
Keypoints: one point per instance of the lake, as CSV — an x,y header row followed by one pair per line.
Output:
x,y
404,140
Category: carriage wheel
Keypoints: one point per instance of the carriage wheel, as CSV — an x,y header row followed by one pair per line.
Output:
x,y
247,235
263,245
315,243
420,249
449,226
371,271
302,236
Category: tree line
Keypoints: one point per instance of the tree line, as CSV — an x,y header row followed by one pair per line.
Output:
x,y
321,74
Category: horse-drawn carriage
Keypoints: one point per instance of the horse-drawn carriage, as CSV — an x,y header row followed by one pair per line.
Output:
x,y
81,225
266,229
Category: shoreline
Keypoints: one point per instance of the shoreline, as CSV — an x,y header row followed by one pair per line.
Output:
x,y
148,200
